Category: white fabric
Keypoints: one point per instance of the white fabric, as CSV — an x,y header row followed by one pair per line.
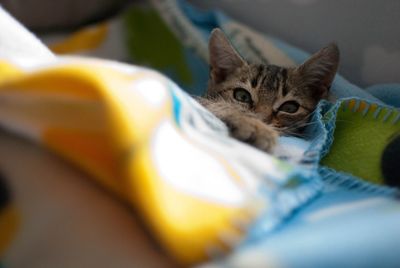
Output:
x,y
19,45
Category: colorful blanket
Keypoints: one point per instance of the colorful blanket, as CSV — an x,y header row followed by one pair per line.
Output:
x,y
150,146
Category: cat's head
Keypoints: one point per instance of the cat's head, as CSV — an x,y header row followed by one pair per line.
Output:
x,y
282,97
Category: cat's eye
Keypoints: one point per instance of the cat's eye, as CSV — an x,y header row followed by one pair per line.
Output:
x,y
289,107
242,95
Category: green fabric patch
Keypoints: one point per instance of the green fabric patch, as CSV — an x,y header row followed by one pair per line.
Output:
x,y
151,43
362,132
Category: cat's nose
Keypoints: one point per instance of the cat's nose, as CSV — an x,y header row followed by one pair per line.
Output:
x,y
264,113
268,119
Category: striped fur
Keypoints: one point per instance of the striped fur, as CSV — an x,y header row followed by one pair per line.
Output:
x,y
275,92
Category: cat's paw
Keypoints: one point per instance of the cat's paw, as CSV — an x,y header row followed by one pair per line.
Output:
x,y
254,132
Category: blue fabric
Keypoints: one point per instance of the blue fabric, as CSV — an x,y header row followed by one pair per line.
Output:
x,y
350,223
387,93
199,70
340,228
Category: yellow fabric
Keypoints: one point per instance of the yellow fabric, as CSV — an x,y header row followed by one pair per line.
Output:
x,y
98,116
85,39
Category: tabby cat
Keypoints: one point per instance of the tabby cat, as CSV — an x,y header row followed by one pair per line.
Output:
x,y
259,102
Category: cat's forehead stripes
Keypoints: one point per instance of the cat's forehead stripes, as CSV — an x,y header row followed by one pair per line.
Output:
x,y
270,77
283,79
260,72
283,83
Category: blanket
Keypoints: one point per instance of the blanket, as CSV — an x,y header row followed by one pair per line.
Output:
x,y
151,147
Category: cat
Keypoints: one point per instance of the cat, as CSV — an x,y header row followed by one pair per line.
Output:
x,y
260,102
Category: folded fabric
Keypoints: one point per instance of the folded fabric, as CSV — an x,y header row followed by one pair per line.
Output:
x,y
146,141
334,204
362,132
349,224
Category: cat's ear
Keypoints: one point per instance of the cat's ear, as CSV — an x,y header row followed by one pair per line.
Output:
x,y
224,59
319,70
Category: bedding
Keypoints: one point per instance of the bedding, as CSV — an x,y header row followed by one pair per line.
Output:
x,y
142,138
